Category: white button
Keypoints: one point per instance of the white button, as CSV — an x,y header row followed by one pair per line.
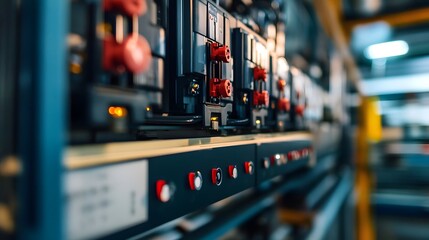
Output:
x,y
198,182
234,173
165,193
266,163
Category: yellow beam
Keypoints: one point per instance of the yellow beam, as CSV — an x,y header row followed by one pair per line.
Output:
x,y
327,11
406,18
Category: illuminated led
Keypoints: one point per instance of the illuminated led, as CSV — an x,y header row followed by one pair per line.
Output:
x,y
213,118
258,122
103,29
75,68
386,49
117,112
148,109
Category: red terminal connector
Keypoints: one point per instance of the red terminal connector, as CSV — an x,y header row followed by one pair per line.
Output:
x,y
127,7
300,110
220,88
283,104
133,54
281,84
261,98
220,53
260,74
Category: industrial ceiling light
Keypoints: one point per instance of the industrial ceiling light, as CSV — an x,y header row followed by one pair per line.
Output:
x,y
386,49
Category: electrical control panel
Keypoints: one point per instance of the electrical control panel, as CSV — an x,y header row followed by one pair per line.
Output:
x,y
176,69
203,80
280,94
133,114
117,58
251,69
183,183
126,198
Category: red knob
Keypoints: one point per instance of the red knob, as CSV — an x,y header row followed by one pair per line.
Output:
x,y
249,168
260,74
284,104
195,180
225,88
304,152
216,176
293,155
220,53
220,88
133,54
164,191
281,84
128,7
300,110
233,172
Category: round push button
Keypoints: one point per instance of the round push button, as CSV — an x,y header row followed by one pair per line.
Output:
x,y
249,167
164,191
233,172
217,176
195,180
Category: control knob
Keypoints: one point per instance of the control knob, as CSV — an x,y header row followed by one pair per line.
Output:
x,y
220,53
164,190
260,74
249,167
195,180
233,172
133,54
128,7
216,176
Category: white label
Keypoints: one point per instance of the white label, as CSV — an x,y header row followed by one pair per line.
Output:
x,y
106,199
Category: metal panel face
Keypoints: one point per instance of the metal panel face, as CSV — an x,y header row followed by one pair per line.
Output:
x,y
212,21
220,32
200,18
103,200
275,159
200,57
175,170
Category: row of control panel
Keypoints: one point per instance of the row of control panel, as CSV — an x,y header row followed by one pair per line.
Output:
x,y
124,199
141,68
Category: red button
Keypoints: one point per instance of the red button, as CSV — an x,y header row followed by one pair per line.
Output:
x,y
128,7
164,191
249,168
233,172
293,155
304,152
133,54
216,176
195,180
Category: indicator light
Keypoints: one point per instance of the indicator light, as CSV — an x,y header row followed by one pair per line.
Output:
x,y
117,112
